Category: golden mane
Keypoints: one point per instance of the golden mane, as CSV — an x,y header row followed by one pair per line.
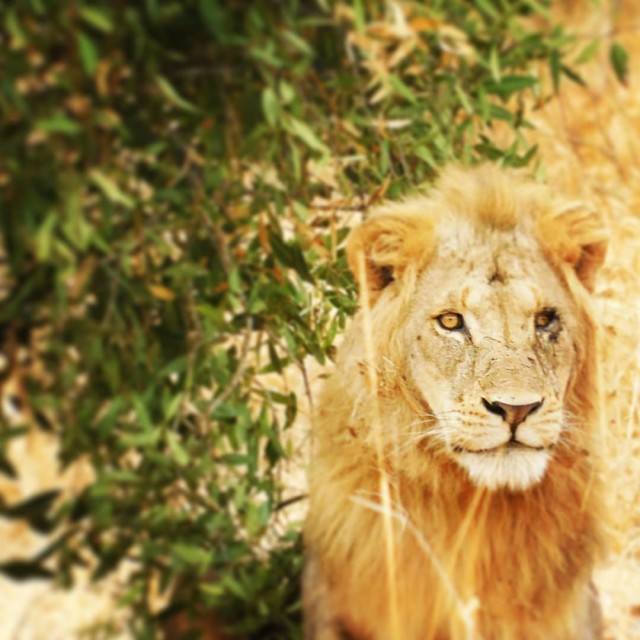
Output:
x,y
468,561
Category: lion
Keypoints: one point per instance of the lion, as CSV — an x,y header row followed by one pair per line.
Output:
x,y
454,486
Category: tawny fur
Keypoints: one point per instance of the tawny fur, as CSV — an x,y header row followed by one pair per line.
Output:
x,y
490,562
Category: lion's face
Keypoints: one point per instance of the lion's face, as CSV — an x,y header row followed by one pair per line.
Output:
x,y
478,303
489,349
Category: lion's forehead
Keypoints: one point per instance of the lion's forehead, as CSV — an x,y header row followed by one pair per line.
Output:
x,y
522,294
503,270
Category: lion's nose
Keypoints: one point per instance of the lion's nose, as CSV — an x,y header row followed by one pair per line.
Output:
x,y
512,414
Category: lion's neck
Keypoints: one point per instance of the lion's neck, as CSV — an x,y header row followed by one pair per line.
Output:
x,y
549,515
510,551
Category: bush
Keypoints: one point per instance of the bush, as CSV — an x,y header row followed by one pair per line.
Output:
x,y
175,182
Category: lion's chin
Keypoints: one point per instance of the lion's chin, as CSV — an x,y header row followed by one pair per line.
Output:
x,y
505,468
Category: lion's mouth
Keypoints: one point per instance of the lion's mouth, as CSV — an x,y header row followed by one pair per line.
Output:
x,y
512,445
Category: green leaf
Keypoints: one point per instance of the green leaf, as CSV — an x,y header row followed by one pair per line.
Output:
x,y
509,85
463,98
539,8
290,255
146,439
556,69
35,510
402,89
97,18
76,227
13,26
500,113
359,15
235,459
215,18
24,570
59,124
270,105
423,152
110,189
286,91
7,468
494,64
178,452
192,555
171,409
306,134
169,92
620,62
144,419
297,42
588,52
256,518
88,53
573,75
485,105
486,7
45,237
267,55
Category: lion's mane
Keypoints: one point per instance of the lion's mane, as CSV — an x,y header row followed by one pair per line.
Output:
x,y
470,562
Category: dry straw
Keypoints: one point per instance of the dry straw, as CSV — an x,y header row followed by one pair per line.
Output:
x,y
589,143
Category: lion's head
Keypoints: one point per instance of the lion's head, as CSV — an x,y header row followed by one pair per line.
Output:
x,y
479,315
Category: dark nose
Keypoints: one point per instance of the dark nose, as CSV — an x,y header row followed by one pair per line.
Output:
x,y
512,414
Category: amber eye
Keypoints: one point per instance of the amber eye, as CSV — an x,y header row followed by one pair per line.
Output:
x,y
546,318
451,321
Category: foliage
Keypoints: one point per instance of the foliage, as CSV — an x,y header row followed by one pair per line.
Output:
x,y
175,182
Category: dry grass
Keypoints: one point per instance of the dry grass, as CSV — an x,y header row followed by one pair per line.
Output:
x,y
589,141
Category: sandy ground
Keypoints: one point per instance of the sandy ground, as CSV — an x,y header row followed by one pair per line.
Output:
x,y
36,609
589,142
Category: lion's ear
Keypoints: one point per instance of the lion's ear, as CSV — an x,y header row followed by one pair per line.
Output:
x,y
591,258
577,235
380,249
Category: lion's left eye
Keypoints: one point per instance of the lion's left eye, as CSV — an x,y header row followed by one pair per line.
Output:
x,y
451,321
545,318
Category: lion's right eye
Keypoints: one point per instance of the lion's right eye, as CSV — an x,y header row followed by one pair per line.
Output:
x,y
451,321
545,318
